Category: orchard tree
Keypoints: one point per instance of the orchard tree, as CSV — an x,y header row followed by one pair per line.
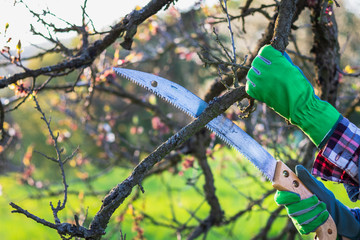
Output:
x,y
93,121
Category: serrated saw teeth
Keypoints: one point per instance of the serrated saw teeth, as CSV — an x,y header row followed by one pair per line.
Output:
x,y
192,105
160,86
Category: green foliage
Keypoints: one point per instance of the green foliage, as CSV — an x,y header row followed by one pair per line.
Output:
x,y
155,202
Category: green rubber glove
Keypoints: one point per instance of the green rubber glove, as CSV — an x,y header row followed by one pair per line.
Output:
x,y
276,81
307,214
346,222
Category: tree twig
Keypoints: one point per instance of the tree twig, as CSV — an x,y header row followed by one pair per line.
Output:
x,y
60,206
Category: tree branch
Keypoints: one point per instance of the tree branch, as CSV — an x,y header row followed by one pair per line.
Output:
x,y
283,24
217,88
119,193
86,57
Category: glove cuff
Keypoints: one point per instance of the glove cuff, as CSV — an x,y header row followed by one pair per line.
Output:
x,y
317,120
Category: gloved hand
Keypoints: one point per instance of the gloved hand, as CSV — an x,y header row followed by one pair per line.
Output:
x,y
308,214
276,81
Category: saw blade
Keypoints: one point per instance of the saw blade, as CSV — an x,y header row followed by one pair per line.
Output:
x,y
192,105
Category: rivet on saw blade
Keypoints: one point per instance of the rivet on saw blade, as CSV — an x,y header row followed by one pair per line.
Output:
x,y
154,83
295,183
285,173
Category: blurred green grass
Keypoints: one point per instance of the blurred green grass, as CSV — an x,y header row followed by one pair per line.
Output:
x,y
230,181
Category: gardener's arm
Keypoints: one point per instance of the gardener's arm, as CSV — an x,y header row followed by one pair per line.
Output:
x,y
276,81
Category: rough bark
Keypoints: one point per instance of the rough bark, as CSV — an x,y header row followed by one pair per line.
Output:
x,y
326,51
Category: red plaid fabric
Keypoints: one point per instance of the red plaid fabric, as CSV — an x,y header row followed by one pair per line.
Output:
x,y
327,170
337,161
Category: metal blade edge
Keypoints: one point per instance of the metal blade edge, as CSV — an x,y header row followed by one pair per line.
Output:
x,y
223,127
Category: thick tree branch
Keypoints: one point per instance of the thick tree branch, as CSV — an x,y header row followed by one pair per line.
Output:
x,y
283,24
326,49
119,193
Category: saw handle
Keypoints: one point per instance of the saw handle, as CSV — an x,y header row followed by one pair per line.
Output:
x,y
286,180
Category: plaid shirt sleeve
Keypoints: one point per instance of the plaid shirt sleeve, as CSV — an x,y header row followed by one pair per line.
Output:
x,y
338,161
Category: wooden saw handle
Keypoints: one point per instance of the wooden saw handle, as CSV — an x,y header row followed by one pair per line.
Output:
x,y
286,180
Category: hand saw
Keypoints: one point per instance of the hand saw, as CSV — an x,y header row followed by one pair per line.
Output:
x,y
277,172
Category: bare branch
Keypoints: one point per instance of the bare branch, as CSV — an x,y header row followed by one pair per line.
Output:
x,y
233,58
58,160
128,25
32,216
